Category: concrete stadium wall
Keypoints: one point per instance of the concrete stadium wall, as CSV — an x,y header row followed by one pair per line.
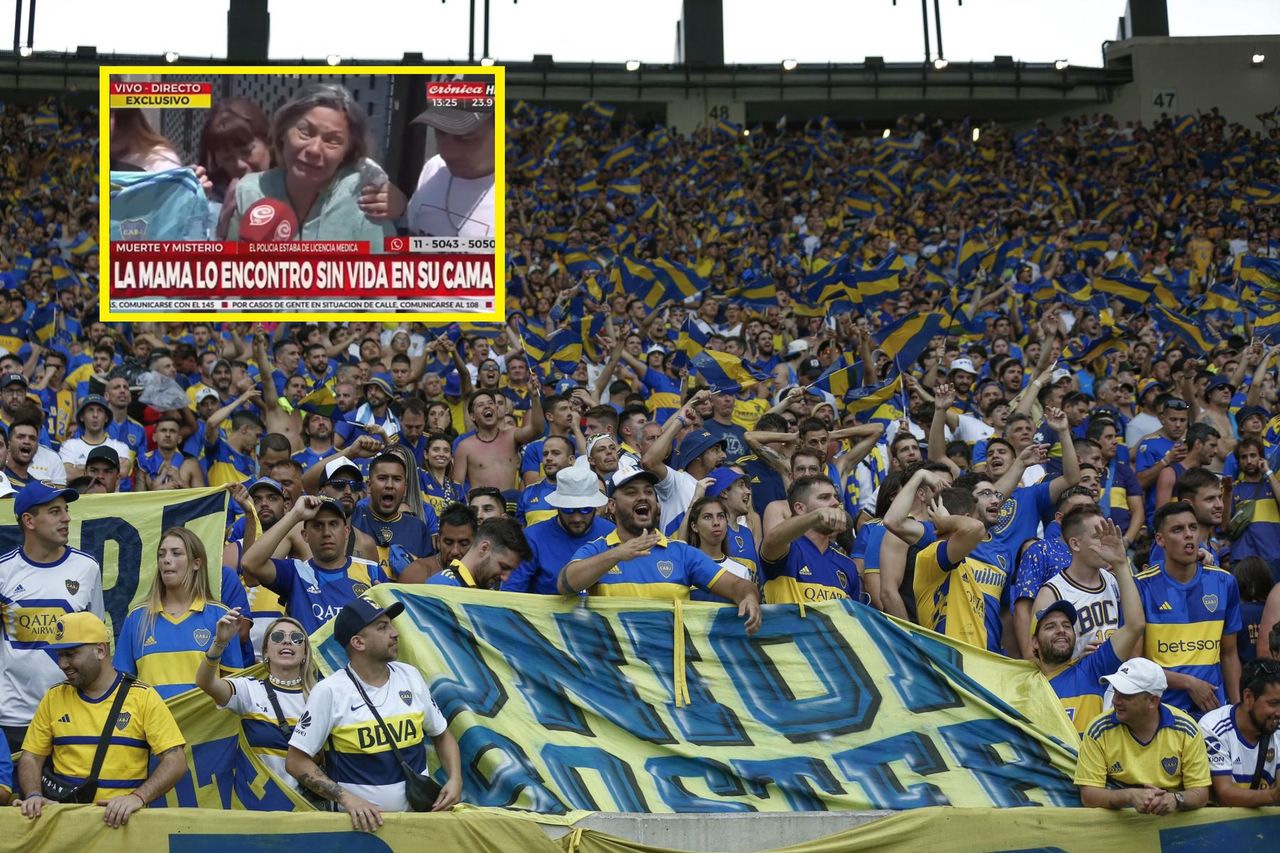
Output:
x,y
723,833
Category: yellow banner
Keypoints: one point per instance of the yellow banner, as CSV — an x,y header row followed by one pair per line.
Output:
x,y
558,706
466,830
168,102
122,532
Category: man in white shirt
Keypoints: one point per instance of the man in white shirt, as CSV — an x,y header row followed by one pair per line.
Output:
x,y
93,415
455,194
361,774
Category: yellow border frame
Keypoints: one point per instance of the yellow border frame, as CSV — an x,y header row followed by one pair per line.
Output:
x,y
500,186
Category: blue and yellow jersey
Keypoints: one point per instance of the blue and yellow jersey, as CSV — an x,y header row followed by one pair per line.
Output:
x,y
1174,759
1079,686
520,402
740,544
532,506
1261,537
747,413
1120,485
806,575
440,495
228,466
960,600
13,336
68,724
456,574
314,595
59,407
664,394
666,573
1019,520
407,532
1186,624
168,655
129,432
1149,453
306,457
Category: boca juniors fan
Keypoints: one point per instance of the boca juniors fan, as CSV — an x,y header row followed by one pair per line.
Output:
x,y
1244,740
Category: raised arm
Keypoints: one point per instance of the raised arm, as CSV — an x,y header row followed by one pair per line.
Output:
x,y
868,436
654,458
1057,420
777,540
534,422
944,398
898,519
961,532
212,429
256,561
583,574
207,678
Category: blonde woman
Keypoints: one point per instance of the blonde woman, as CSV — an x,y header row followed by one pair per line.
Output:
x,y
164,641
268,708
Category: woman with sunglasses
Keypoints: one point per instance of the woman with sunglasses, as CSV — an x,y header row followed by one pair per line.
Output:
x,y
269,708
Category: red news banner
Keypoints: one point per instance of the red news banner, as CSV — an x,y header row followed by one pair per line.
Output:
x,y
297,270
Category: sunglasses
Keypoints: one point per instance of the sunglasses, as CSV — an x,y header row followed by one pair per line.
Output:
x,y
344,485
581,510
989,493
1177,405
297,638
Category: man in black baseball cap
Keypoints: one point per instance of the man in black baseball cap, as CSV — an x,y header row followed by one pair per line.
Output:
x,y
454,197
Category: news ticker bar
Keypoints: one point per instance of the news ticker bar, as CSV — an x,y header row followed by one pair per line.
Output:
x,y
148,305
214,276
153,94
294,248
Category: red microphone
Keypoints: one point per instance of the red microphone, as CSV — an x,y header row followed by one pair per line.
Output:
x,y
268,221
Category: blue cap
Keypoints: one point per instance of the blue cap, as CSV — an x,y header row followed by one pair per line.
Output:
x,y
564,386
453,385
694,445
724,478
36,494
1219,381
353,618
381,380
268,482
1062,606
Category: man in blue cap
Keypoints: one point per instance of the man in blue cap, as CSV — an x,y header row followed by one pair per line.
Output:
x,y
700,453
93,415
39,582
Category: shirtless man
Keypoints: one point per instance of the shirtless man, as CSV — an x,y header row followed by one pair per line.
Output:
x,y
1216,413
491,457
283,419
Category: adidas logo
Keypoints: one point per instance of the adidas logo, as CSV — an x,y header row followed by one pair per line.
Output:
x,y
313,589
1115,768
149,641
1165,607
19,588
65,718
615,571
804,570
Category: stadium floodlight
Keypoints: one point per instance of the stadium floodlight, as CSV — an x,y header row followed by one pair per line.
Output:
x,y
887,133
25,51
940,63
976,135
633,65
746,132
1259,58
334,59
487,61
1060,64
171,56
789,65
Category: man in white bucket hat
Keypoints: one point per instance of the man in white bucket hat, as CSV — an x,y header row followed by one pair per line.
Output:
x,y
577,497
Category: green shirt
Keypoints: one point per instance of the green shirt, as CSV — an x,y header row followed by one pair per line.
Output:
x,y
334,215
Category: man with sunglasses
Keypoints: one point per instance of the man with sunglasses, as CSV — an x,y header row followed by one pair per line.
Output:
x,y
1163,448
553,542
1243,740
342,481
455,190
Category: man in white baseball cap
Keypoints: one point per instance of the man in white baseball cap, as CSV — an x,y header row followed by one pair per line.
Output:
x,y
1157,752
577,497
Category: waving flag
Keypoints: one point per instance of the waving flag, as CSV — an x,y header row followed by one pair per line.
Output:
x,y
320,401
906,339
843,374
725,373
1201,340
869,398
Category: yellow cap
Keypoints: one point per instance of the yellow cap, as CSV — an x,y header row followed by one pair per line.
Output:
x,y
78,629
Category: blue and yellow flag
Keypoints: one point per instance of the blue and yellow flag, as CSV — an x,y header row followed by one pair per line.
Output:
x,y
320,401
869,398
1261,273
1181,327
724,373
837,380
604,111
904,340
1085,351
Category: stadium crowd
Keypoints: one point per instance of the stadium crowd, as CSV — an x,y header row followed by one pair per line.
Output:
x,y
1017,387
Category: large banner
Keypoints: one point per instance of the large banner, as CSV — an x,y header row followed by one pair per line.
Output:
x,y
603,706
474,830
122,532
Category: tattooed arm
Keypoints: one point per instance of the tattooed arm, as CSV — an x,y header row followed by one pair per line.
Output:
x,y
365,816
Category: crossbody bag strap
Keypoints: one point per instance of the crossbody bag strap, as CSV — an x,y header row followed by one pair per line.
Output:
x,y
275,704
100,755
385,729
1262,760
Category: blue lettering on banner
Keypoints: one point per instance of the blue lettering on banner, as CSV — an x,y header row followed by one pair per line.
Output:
x,y
869,766
513,773
473,687
94,535
703,721
1006,782
214,761
789,776
920,687
590,670
565,763
851,698
347,842
668,770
